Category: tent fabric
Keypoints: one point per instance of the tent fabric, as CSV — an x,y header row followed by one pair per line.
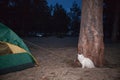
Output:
x,y
7,35
14,54
4,49
15,62
9,48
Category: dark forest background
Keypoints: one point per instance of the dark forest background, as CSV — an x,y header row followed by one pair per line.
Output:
x,y
36,18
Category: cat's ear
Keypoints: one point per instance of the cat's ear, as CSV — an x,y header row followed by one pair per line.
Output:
x,y
79,53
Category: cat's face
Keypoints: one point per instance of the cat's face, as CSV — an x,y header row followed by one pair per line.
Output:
x,y
80,56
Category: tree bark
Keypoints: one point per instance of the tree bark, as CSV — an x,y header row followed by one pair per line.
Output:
x,y
90,42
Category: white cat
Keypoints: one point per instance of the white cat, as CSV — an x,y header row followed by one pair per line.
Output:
x,y
86,62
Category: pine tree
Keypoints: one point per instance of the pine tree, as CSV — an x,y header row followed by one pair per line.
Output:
x,y
91,33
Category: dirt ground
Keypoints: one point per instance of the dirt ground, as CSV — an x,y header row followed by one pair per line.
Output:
x,y
56,58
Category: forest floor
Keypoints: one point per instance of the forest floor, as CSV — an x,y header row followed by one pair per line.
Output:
x,y
56,58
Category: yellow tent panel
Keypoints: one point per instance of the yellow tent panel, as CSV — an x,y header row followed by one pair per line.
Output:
x,y
6,47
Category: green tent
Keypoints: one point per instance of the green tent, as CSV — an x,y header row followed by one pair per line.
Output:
x,y
14,54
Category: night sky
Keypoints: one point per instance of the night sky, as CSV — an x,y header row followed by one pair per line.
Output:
x,y
67,4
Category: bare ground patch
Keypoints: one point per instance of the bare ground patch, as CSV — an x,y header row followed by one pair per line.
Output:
x,y
57,62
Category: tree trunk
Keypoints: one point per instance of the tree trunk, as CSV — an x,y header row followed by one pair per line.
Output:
x,y
90,42
116,22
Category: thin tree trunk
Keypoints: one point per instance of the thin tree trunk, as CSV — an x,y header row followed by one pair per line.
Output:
x,y
115,28
116,22
90,42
